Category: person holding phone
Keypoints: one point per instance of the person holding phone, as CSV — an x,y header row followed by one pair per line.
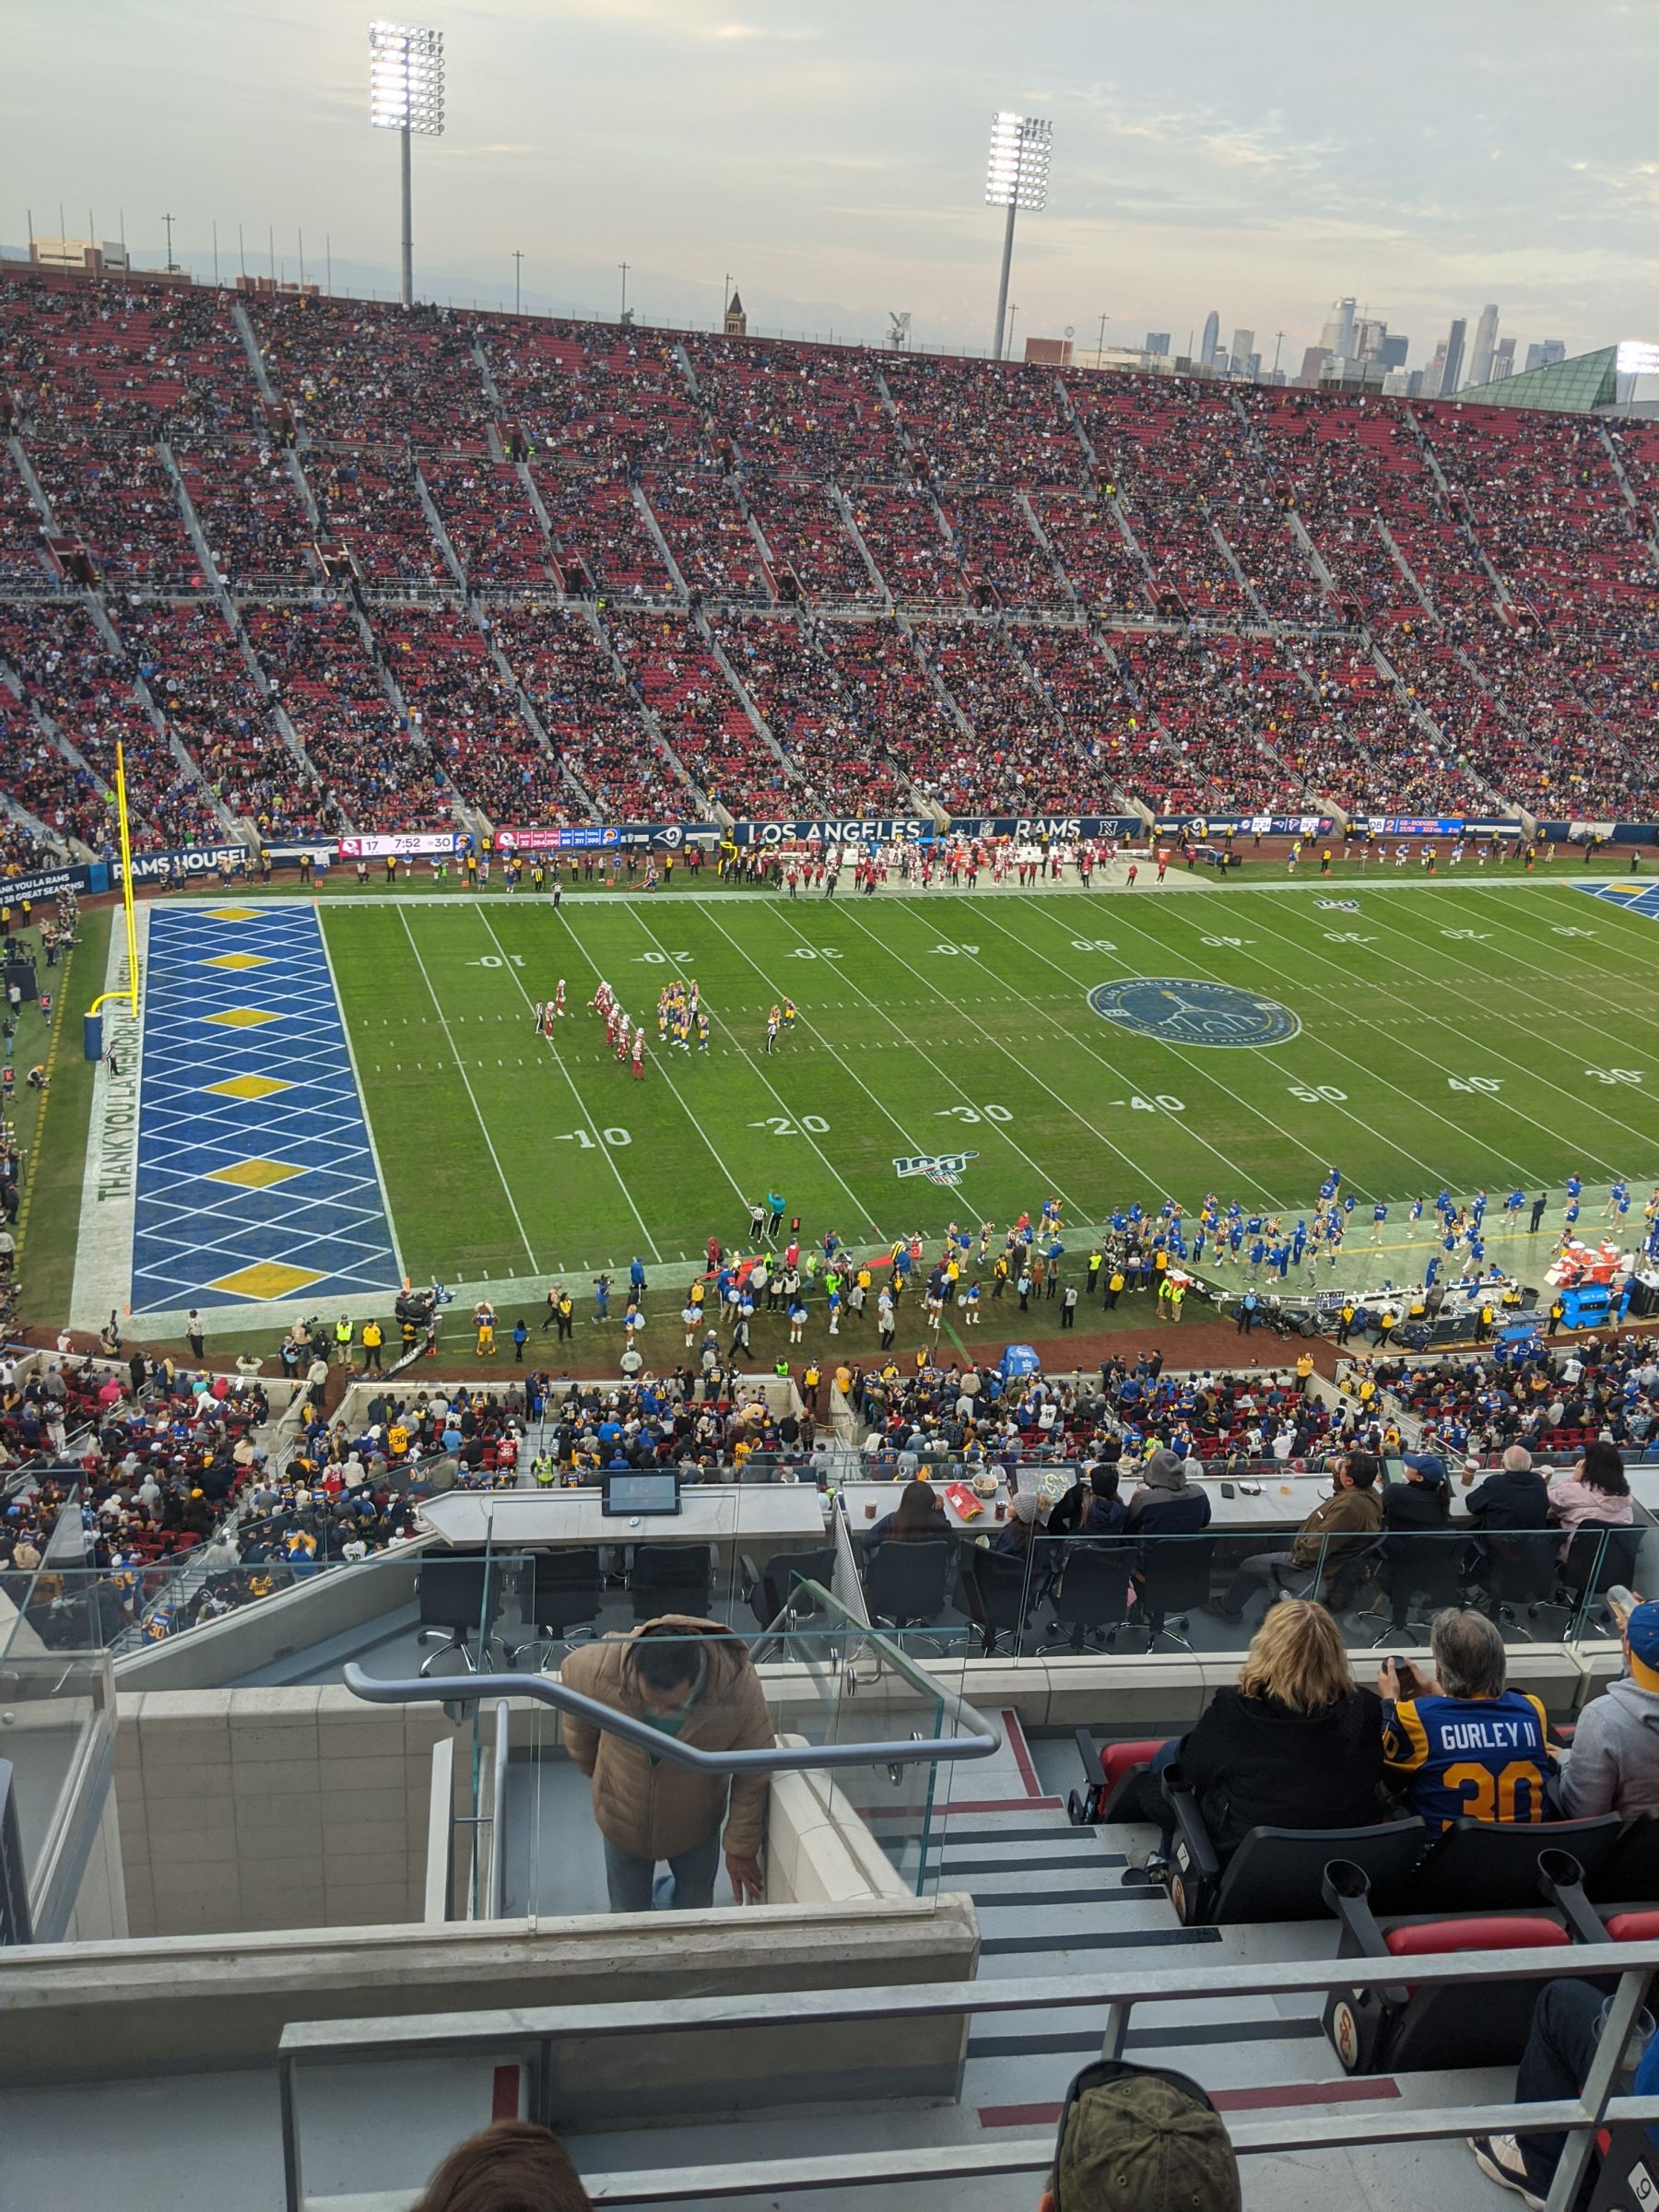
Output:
x,y
1459,1745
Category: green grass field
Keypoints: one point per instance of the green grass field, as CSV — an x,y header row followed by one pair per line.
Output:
x,y
1458,1034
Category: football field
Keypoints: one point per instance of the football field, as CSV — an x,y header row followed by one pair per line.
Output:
x,y
965,1057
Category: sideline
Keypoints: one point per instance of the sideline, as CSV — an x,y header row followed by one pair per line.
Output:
x,y
103,1247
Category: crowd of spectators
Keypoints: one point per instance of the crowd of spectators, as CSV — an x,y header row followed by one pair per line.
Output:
x,y
359,375
369,503
488,522
809,540
612,402
708,534
1005,426
146,1457
253,517
1551,1400
565,667
371,770
137,362
797,413
679,678
1124,1411
1219,713
68,670
115,499
799,692
1017,757
462,712
196,673
1311,597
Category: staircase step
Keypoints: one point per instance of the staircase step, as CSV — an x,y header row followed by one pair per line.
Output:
x,y
1098,1939
1087,1861
944,1832
1171,2037
1092,1893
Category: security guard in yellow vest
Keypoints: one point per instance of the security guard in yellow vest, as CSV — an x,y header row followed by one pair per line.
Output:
x,y
374,1337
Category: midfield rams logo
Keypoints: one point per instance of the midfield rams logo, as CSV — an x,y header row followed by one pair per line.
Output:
x,y
1182,1010
943,1168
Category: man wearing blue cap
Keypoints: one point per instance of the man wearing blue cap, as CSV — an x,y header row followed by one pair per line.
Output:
x,y
1414,1512
1613,1766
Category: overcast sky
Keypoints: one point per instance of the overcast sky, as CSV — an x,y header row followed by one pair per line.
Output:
x,y
1259,157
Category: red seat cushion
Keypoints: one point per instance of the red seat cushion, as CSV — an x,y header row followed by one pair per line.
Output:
x,y
1506,1932
1118,1759
1633,1927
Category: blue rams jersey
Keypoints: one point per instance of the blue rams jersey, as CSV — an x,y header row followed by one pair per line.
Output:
x,y
1470,1758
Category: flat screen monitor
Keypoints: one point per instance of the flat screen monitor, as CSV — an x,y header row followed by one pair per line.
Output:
x,y
647,1492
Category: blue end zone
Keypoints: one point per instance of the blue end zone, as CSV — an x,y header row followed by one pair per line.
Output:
x,y
1635,898
257,1180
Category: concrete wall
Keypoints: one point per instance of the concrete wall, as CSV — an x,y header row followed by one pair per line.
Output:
x,y
817,1850
88,2012
272,1808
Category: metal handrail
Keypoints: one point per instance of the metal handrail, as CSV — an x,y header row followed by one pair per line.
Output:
x,y
542,2028
982,1738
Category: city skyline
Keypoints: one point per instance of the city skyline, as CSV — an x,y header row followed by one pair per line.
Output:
x,y
831,162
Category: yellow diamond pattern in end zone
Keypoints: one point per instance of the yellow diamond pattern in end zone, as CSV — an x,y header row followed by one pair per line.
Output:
x,y
241,1018
255,1174
269,1279
248,1087
231,913
238,959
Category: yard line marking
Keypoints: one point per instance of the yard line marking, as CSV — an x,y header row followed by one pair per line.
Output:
x,y
1422,1015
588,1121
1371,1075
755,1063
1027,1075
362,1095
466,1080
1621,1008
663,1059
944,1076
1388,1143
1202,1072
1543,1037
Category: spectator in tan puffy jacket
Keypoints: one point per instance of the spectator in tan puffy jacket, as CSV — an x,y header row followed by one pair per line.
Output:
x,y
694,1680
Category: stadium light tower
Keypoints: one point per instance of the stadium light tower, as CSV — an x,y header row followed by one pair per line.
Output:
x,y
405,95
1015,176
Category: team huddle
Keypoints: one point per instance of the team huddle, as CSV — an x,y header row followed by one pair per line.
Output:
x,y
682,1020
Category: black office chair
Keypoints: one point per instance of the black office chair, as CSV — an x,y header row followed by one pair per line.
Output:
x,y
567,1589
670,1578
1429,1570
999,1590
1093,1595
905,1583
453,1596
1174,1578
1516,1571
775,1589
1596,1561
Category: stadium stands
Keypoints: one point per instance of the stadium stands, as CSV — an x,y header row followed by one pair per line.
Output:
x,y
1114,591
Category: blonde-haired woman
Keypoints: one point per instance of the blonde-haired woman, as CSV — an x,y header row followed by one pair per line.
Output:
x,y
1296,1743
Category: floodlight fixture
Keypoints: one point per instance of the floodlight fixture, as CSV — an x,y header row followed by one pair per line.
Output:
x,y
405,95
1016,175
1637,356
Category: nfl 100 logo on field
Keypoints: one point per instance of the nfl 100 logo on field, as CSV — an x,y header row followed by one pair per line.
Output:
x,y
1183,1010
946,1168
